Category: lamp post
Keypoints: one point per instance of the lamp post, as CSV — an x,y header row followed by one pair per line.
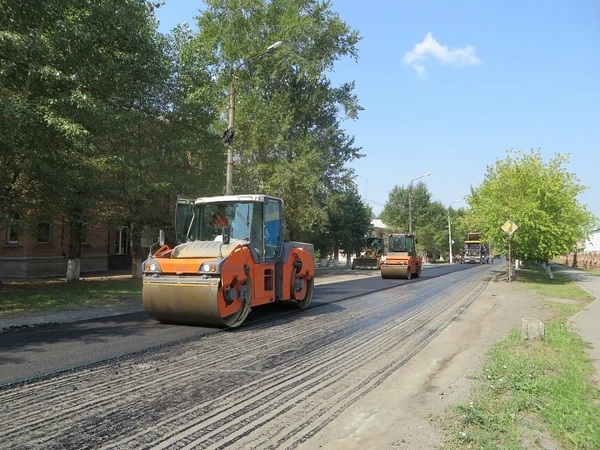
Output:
x,y
410,200
450,230
228,135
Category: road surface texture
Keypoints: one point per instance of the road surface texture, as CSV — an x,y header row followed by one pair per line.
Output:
x,y
365,372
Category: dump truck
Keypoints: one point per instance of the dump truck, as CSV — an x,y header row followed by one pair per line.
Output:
x,y
230,255
400,259
370,255
474,252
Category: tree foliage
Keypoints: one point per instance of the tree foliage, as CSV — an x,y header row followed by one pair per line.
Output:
x,y
106,120
540,197
288,136
81,87
429,220
349,221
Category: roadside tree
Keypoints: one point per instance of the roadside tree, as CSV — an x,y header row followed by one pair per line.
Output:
x,y
540,197
288,136
79,84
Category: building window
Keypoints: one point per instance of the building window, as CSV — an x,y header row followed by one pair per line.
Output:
x,y
121,242
44,233
12,236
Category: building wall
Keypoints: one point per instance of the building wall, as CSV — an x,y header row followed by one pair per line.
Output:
x,y
593,244
31,258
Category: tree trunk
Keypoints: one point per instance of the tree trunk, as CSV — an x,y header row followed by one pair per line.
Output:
x,y
136,250
76,224
73,269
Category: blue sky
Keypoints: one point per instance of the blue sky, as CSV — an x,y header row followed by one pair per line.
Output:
x,y
448,87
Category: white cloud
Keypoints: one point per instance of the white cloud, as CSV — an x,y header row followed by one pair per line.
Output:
x,y
430,49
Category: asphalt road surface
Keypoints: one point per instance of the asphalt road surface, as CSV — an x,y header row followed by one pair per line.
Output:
x,y
129,382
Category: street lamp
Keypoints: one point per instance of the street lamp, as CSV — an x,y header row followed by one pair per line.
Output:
x,y
410,200
450,230
228,135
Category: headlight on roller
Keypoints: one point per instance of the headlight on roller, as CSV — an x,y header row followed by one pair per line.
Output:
x,y
152,266
208,267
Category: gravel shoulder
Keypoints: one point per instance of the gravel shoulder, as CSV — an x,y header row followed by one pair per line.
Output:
x,y
404,412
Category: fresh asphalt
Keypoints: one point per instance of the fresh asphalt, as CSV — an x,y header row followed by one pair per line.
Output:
x,y
33,346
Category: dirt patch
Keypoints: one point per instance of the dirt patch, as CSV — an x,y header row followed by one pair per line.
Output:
x,y
405,411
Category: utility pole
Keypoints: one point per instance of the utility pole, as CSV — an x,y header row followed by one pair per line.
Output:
x,y
229,133
450,231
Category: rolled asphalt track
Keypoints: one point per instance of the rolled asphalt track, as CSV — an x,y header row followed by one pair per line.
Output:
x,y
586,323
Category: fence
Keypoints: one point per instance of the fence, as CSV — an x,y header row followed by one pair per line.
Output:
x,y
585,260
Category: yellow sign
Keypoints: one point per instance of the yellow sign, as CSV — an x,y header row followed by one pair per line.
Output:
x,y
509,227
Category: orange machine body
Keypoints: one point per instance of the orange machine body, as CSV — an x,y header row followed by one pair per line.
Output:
x,y
401,260
217,281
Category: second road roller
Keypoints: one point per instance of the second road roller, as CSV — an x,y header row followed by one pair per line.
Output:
x,y
230,256
401,259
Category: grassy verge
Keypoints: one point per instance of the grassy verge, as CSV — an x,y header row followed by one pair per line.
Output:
x,y
44,295
534,394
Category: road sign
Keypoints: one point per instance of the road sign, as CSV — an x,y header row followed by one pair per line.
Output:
x,y
509,227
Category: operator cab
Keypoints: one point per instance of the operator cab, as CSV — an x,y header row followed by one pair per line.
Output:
x,y
399,243
256,219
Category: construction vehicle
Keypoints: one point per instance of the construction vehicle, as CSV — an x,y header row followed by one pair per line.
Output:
x,y
401,259
370,255
475,251
230,256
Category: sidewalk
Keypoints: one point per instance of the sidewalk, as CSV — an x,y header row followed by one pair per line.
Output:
x,y
585,323
74,314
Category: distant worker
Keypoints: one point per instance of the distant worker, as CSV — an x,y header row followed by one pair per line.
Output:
x,y
219,220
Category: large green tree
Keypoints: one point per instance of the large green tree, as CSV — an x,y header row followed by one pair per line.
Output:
x,y
540,197
288,138
80,83
349,222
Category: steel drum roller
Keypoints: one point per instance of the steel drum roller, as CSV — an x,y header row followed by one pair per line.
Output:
x,y
178,300
395,271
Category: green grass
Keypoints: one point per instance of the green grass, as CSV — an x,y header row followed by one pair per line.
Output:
x,y
559,287
533,394
44,295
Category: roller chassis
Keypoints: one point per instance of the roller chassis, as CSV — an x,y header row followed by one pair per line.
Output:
x,y
211,283
401,260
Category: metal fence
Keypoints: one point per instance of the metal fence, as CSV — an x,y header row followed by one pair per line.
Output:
x,y
585,260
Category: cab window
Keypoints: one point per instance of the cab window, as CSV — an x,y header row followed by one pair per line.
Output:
x,y
272,227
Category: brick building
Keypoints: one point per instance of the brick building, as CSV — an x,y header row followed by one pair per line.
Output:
x,y
43,251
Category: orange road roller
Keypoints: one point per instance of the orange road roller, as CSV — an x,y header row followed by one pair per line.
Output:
x,y
230,256
401,260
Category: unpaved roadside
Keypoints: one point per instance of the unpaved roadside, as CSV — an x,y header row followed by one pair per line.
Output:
x,y
404,411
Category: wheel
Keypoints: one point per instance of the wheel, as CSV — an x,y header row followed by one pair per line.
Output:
x,y
244,294
302,295
418,272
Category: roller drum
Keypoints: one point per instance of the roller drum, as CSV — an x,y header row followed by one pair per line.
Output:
x,y
395,272
180,300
